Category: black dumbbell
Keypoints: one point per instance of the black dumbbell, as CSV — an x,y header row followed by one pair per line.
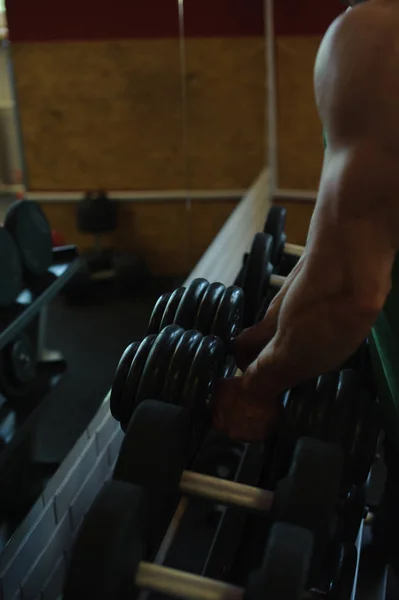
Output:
x,y
283,254
337,407
27,224
18,367
153,458
10,269
110,558
210,308
155,452
176,366
257,277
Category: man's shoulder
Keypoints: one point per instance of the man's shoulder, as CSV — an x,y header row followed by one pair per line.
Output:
x,y
357,69
368,30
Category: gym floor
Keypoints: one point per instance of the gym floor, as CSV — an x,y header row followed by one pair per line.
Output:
x,y
91,338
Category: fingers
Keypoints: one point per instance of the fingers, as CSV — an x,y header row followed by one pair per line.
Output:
x,y
249,344
241,417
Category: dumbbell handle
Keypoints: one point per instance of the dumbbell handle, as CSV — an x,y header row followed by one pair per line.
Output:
x,y
178,584
226,492
293,250
277,281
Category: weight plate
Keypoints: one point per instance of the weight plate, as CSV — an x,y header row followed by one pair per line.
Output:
x,y
171,307
238,279
154,454
229,315
367,433
157,364
118,385
344,423
342,584
326,391
204,372
22,359
28,225
180,365
308,496
154,325
110,545
209,304
275,226
253,277
17,368
190,302
10,269
285,567
128,398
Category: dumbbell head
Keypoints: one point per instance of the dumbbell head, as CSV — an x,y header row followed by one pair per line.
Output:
x,y
209,307
285,567
10,269
28,225
275,226
110,545
18,367
308,495
154,453
256,275
108,557
176,366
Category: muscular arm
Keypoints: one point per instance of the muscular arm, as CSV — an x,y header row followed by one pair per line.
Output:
x,y
335,298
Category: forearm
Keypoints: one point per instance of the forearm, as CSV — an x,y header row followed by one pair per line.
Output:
x,y
316,332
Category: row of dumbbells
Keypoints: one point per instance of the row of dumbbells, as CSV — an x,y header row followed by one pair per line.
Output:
x,y
133,522
178,365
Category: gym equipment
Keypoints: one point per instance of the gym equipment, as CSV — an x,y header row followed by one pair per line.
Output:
x,y
28,225
17,367
211,308
341,585
338,407
108,560
257,277
10,269
275,226
154,454
175,366
97,214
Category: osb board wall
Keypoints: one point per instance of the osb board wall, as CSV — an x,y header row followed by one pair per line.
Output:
x,y
299,28
300,138
299,215
110,113
170,239
165,234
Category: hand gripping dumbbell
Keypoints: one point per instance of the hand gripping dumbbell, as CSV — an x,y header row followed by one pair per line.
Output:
x,y
152,460
210,308
110,558
284,255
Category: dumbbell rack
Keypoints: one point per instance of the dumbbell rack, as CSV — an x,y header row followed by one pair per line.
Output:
x,y
18,470
33,563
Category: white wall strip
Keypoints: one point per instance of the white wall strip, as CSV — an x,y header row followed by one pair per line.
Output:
x,y
139,196
295,195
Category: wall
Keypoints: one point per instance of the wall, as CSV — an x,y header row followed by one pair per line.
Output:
x,y
101,95
299,28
